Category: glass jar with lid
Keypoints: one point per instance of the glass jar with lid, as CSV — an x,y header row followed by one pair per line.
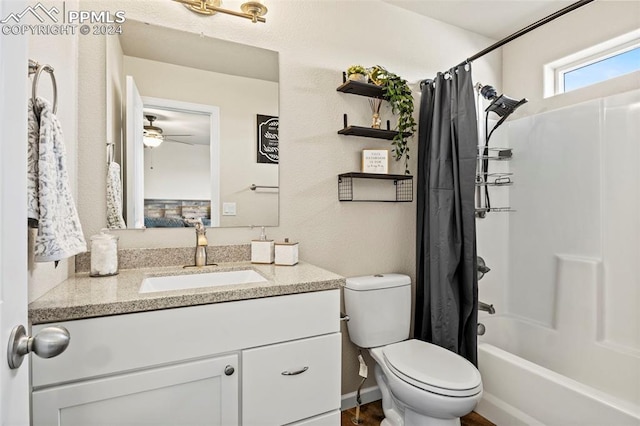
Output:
x,y
104,254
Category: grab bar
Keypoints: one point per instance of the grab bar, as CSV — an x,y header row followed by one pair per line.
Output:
x,y
253,187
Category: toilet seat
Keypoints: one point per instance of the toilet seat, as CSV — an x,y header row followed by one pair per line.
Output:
x,y
432,368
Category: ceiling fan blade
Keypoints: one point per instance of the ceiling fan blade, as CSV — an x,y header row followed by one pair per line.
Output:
x,y
176,141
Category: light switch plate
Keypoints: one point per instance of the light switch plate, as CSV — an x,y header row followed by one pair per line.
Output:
x,y
228,209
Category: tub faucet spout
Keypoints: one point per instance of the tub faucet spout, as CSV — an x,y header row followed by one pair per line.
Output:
x,y
486,307
201,245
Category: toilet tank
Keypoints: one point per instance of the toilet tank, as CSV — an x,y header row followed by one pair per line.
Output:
x,y
379,308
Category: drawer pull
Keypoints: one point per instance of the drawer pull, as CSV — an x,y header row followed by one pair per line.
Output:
x,y
295,373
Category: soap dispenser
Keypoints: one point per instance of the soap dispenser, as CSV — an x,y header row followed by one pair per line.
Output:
x,y
262,250
286,253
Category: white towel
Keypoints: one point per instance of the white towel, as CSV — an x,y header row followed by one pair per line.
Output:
x,y
114,198
50,201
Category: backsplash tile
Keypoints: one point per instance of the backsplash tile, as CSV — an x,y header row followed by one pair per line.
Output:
x,y
159,257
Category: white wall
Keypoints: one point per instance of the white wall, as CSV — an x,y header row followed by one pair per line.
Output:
x,y
176,171
594,23
316,41
60,52
239,100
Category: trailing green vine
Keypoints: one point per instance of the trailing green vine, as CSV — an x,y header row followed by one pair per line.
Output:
x,y
398,93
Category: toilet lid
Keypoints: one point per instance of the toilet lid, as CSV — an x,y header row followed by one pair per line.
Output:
x,y
433,368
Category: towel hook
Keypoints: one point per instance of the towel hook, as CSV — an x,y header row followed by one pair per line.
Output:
x,y
36,68
110,153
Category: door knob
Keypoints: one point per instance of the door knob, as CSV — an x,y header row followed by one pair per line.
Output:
x,y
50,342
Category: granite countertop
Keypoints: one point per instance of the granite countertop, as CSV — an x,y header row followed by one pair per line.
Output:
x,y
83,296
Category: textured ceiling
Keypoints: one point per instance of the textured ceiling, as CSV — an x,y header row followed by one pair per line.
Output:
x,y
492,18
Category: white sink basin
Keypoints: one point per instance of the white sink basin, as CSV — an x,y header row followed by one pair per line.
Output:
x,y
210,279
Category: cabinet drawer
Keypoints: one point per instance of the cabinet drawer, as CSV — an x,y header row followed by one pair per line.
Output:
x,y
290,381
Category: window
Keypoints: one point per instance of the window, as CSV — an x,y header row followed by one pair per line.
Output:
x,y
594,65
600,70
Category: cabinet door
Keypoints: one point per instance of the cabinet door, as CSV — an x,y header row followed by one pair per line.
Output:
x,y
328,419
190,393
290,381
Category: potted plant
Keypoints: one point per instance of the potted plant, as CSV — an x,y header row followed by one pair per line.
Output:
x,y
357,73
398,93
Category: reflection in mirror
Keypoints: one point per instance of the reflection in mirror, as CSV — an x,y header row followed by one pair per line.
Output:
x,y
209,108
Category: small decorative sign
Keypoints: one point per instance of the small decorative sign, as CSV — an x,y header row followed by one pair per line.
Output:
x,y
375,161
267,139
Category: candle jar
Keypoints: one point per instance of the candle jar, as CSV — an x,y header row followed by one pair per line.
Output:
x,y
104,255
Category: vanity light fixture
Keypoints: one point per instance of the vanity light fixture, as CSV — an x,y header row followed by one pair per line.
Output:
x,y
253,10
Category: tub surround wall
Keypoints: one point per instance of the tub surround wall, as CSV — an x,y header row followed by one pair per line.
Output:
x,y
316,41
573,244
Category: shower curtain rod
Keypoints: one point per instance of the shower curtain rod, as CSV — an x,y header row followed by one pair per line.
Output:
x,y
527,29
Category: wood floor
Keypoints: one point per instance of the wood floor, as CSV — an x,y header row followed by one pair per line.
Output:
x,y
371,415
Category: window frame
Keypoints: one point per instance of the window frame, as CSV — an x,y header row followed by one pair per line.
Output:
x,y
555,71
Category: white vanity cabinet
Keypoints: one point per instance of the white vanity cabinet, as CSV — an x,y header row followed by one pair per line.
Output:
x,y
216,364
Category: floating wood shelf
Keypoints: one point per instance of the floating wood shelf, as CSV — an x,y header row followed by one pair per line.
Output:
x,y
368,132
362,89
403,183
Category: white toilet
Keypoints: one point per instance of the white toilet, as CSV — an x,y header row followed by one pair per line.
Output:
x,y
421,383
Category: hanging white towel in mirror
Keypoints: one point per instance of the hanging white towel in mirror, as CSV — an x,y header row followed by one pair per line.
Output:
x,y
114,197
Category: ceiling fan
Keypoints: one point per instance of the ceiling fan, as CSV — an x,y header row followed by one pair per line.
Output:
x,y
153,136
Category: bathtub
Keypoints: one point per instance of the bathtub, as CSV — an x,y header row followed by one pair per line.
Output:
x,y
520,392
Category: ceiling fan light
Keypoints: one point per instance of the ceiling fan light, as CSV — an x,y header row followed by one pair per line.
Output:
x,y
152,140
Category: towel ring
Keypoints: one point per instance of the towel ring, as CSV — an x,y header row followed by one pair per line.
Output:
x,y
35,68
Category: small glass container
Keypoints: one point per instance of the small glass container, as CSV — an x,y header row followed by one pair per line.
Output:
x,y
104,254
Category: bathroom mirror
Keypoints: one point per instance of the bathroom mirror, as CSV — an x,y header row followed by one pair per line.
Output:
x,y
215,105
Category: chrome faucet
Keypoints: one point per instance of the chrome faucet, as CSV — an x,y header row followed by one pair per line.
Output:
x,y
486,307
201,245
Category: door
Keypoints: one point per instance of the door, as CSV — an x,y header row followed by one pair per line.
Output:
x,y
135,156
14,384
191,393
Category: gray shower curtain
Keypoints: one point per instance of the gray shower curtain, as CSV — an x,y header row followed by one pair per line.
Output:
x,y
446,283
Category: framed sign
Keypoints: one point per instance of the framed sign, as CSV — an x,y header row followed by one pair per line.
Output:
x,y
267,139
375,161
